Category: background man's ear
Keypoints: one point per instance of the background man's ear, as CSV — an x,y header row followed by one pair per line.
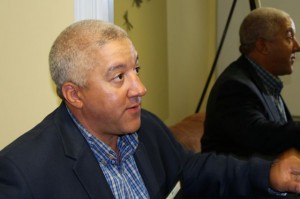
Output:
x,y
70,92
262,46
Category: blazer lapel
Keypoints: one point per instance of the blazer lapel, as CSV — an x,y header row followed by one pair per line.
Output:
x,y
286,110
271,106
85,164
147,172
262,93
91,176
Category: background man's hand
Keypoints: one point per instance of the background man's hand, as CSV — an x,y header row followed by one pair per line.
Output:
x,y
285,172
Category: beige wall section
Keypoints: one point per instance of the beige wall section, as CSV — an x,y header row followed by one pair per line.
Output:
x,y
176,43
28,28
191,50
149,35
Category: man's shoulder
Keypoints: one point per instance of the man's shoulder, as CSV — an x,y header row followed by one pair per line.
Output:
x,y
152,126
238,71
147,115
37,136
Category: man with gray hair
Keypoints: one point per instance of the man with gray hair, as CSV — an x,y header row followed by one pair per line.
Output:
x,y
245,113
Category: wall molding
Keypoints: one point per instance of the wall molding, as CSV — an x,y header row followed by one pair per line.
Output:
x,y
94,9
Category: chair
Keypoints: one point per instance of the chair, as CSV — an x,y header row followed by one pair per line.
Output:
x,y
189,131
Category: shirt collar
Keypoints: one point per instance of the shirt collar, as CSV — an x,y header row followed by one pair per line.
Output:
x,y
272,83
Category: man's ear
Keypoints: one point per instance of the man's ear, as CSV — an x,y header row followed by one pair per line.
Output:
x,y
262,46
71,94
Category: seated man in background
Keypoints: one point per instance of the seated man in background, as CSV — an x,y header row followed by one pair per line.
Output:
x,y
99,143
245,113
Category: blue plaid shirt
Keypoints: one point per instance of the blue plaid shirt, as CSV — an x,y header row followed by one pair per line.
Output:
x,y
273,86
121,174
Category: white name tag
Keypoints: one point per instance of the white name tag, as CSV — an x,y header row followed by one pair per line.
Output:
x,y
174,191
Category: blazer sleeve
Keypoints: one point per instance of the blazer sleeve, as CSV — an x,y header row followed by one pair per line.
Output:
x,y
204,175
209,175
12,184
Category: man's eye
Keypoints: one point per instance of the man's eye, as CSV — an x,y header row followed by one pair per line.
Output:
x,y
291,36
137,69
119,77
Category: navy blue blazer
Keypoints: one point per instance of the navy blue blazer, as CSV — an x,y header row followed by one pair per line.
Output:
x,y
242,119
53,160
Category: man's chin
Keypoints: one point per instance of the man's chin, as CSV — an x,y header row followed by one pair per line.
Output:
x,y
133,127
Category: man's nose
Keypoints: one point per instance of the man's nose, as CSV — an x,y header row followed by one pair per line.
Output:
x,y
137,88
296,45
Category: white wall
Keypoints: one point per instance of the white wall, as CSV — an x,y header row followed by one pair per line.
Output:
x,y
230,51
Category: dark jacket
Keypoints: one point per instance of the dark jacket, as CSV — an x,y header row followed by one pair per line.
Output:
x,y
241,118
53,160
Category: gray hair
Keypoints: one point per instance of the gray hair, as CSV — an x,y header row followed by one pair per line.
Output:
x,y
260,23
73,52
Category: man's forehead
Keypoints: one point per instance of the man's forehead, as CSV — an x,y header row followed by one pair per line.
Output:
x,y
120,65
288,26
293,26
